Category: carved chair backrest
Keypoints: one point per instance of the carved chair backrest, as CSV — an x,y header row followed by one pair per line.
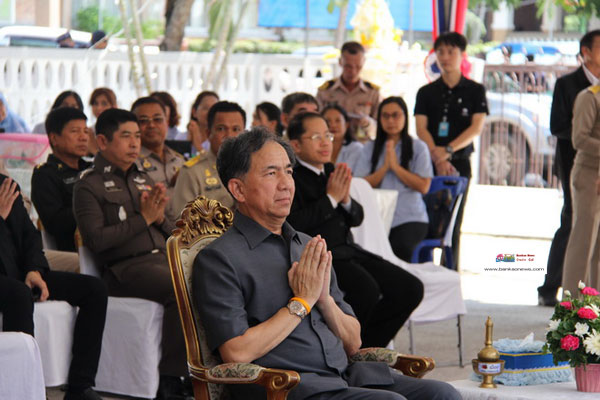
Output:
x,y
202,221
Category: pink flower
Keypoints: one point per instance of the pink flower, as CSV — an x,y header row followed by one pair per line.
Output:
x,y
567,305
590,291
569,343
586,313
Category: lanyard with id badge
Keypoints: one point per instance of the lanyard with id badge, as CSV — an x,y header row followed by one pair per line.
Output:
x,y
444,126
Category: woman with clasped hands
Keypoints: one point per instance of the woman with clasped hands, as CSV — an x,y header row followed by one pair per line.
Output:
x,y
397,161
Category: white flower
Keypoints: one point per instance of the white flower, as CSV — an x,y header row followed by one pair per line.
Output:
x,y
553,325
566,293
581,285
592,343
594,308
581,329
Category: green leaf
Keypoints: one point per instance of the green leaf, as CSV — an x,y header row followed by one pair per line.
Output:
x,y
331,6
556,335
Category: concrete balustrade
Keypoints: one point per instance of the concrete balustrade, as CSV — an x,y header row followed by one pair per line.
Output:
x,y
31,78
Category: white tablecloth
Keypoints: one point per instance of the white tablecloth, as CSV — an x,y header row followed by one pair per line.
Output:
x,y
443,295
21,375
470,390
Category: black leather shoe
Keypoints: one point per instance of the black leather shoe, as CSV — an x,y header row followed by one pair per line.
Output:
x,y
547,301
87,394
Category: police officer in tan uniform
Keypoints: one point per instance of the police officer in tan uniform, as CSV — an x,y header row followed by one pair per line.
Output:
x,y
120,213
199,175
359,98
158,160
582,261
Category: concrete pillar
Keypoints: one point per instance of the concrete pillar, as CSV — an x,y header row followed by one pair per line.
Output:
x,y
502,22
48,13
594,23
552,19
23,12
66,13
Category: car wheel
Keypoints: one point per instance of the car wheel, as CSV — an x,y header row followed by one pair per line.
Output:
x,y
504,155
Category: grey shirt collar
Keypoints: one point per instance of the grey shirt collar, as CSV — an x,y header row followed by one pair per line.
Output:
x,y
255,234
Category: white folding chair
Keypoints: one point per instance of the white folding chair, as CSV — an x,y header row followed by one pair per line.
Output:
x,y
53,330
21,373
48,241
131,348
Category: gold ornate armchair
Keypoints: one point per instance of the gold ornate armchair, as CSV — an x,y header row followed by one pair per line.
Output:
x,y
202,221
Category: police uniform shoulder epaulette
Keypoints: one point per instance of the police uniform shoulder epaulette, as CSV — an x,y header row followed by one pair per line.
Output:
x,y
195,160
371,85
85,172
594,89
175,153
327,85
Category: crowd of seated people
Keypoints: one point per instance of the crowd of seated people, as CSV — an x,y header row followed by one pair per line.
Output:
x,y
126,199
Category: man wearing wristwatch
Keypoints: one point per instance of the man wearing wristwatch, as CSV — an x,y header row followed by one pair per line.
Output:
x,y
267,294
449,115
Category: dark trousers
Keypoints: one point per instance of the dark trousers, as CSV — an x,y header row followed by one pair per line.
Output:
x,y
404,238
83,291
463,166
381,294
404,387
564,164
148,277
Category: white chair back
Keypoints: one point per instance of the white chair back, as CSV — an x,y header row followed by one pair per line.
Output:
x,y
88,263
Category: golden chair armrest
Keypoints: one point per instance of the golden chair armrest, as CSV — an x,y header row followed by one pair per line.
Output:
x,y
409,365
277,382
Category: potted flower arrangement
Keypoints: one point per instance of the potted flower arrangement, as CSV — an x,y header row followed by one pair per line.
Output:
x,y
574,336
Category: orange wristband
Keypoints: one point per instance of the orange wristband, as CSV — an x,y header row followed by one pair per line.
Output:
x,y
304,303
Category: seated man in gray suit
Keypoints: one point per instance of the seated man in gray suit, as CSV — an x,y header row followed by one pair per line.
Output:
x,y
267,294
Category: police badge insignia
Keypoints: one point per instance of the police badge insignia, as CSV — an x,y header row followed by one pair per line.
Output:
x,y
122,213
211,181
148,165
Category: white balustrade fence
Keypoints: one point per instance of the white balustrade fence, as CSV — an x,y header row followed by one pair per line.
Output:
x,y
31,78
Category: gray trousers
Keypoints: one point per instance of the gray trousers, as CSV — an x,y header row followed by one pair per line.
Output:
x,y
582,258
148,277
403,388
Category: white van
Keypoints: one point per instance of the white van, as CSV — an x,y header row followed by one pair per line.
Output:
x,y
39,36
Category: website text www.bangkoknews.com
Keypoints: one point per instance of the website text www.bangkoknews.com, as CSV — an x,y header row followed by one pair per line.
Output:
x,y
513,269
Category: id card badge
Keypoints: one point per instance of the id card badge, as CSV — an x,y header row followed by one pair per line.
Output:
x,y
443,129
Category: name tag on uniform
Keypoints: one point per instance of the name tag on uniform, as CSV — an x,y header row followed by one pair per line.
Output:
x,y
139,179
443,129
71,180
110,186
